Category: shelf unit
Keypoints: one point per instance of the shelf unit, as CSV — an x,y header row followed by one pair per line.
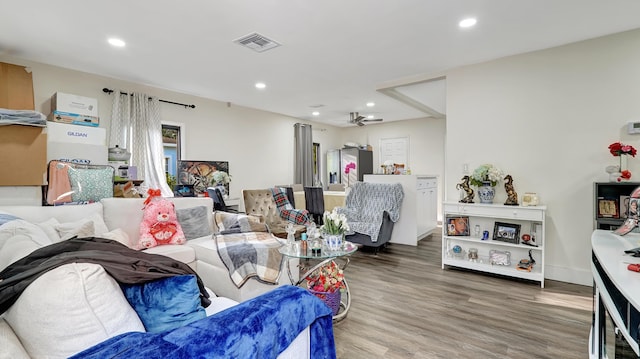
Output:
x,y
485,216
613,191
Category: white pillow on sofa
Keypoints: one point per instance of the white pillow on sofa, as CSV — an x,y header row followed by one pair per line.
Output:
x,y
10,344
69,309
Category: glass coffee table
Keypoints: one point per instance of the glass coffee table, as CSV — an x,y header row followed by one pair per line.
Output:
x,y
326,256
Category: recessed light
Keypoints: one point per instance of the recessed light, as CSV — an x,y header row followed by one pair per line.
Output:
x,y
116,42
260,85
315,113
467,22
370,116
371,104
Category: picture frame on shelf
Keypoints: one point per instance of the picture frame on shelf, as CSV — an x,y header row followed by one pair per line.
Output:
x,y
506,232
458,226
624,206
608,208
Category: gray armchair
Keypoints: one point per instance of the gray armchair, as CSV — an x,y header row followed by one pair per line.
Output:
x,y
372,210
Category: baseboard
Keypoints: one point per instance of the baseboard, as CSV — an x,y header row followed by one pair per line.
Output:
x,y
569,275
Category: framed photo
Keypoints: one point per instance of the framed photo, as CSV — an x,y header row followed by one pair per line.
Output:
x,y
506,232
633,208
458,226
200,174
608,208
624,206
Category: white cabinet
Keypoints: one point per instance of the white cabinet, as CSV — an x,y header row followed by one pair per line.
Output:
x,y
483,217
418,214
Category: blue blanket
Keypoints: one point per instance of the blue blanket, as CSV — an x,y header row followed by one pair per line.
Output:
x,y
262,327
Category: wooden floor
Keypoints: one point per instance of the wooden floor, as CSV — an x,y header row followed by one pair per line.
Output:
x,y
405,306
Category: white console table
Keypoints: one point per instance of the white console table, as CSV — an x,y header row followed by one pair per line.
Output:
x,y
418,213
616,320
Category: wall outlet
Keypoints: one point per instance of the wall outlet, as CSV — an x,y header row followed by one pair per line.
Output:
x,y
465,169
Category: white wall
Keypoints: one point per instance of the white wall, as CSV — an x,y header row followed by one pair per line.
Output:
x,y
257,144
547,119
426,142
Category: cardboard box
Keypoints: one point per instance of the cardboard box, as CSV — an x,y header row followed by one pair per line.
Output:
x,y
68,133
76,143
24,159
73,118
16,87
80,105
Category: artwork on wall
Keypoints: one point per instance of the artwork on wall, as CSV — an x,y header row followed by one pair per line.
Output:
x,y
200,174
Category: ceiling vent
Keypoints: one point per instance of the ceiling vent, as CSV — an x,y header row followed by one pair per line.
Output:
x,y
257,42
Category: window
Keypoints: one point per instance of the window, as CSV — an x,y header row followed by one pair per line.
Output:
x,y
171,144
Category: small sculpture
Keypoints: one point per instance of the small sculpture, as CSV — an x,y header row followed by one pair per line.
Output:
x,y
512,196
465,186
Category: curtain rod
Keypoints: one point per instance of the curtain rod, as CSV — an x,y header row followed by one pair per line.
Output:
x,y
109,91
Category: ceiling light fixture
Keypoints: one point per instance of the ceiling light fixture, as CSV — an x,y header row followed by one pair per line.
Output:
x,y
370,116
116,42
468,22
315,113
260,85
371,104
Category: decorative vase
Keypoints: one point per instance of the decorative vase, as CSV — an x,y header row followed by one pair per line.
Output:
x,y
333,241
623,163
486,192
331,299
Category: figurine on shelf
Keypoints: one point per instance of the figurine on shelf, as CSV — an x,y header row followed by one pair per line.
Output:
x,y
465,186
512,196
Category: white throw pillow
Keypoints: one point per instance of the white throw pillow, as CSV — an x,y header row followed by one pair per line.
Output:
x,y
20,226
75,229
49,227
120,236
15,248
69,309
10,344
78,228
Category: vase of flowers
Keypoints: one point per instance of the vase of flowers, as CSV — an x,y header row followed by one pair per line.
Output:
x,y
621,151
486,177
333,229
347,169
326,283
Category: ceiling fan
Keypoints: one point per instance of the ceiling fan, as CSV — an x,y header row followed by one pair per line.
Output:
x,y
360,120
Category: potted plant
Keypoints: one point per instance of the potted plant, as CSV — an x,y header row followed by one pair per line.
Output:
x,y
333,228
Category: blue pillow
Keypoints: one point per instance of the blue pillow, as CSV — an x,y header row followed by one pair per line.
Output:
x,y
166,303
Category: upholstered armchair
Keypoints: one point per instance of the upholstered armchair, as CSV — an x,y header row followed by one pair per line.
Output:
x,y
260,202
372,210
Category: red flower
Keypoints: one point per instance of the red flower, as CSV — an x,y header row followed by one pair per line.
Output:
x,y
625,174
618,149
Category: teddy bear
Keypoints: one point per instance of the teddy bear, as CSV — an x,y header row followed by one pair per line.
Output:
x,y
159,224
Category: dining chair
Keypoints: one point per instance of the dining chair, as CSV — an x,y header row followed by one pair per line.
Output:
x,y
218,200
314,202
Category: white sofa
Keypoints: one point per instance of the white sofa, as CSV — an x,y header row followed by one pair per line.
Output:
x,y
126,214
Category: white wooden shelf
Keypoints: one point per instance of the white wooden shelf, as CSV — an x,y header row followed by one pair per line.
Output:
x,y
485,216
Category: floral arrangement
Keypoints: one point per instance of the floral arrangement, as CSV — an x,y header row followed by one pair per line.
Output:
x,y
334,223
350,166
486,173
328,278
220,178
619,149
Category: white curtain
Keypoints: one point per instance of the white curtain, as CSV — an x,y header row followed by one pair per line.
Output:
x,y
136,126
304,154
